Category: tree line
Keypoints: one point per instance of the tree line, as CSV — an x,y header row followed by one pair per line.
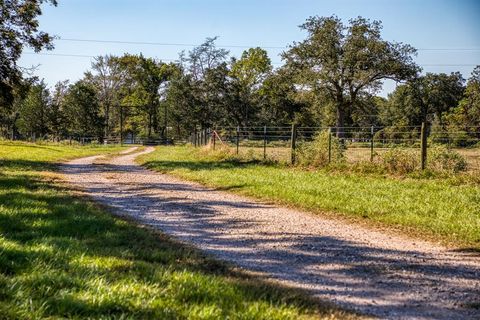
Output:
x,y
331,78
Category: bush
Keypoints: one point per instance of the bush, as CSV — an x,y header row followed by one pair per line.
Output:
x,y
442,159
400,161
439,159
315,153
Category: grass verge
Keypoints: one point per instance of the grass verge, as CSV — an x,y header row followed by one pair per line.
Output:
x,y
435,209
63,257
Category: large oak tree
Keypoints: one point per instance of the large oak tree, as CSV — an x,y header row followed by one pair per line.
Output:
x,y
347,62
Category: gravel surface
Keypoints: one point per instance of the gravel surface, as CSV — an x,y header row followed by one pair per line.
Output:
x,y
373,272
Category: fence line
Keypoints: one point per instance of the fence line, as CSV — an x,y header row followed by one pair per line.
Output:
x,y
360,142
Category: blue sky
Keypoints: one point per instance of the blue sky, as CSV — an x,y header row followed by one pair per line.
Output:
x,y
425,24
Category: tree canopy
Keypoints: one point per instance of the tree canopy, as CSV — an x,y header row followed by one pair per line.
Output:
x,y
332,78
347,62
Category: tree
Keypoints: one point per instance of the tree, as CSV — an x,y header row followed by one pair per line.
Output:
x,y
108,76
347,62
18,29
279,103
249,72
183,103
82,110
57,118
144,79
34,113
9,113
467,115
201,87
252,68
204,57
423,99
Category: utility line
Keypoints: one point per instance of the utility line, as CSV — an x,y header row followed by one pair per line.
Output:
x,y
162,43
227,46
74,55
172,60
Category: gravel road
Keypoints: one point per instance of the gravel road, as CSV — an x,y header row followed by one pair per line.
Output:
x,y
375,273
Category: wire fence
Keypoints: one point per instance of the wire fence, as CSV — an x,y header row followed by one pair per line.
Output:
x,y
359,143
87,140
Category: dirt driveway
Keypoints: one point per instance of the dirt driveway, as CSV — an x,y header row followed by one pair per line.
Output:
x,y
375,273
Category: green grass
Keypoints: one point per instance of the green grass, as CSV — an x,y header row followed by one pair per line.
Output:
x,y
435,209
61,256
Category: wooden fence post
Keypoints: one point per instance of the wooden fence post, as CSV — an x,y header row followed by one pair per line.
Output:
x,y
238,137
264,142
423,146
329,145
293,143
121,125
371,144
214,137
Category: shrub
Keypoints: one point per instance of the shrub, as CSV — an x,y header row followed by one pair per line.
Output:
x,y
400,160
315,153
442,159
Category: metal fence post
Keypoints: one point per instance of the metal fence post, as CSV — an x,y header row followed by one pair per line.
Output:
x,y
329,145
264,142
371,144
238,137
293,143
423,146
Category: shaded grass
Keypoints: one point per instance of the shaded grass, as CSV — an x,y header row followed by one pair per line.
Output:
x,y
434,209
63,257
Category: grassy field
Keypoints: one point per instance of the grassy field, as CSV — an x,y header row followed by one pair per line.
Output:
x,y
435,209
63,257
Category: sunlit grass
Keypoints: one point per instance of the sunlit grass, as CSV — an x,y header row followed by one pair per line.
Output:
x,y
434,209
63,257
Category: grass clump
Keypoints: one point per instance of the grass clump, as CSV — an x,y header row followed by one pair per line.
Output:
x,y
403,162
400,161
323,150
442,159
63,257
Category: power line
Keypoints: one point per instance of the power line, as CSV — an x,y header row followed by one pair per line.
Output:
x,y
163,43
173,60
74,55
227,46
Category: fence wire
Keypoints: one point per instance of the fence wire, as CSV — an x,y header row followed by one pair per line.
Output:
x,y
359,143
